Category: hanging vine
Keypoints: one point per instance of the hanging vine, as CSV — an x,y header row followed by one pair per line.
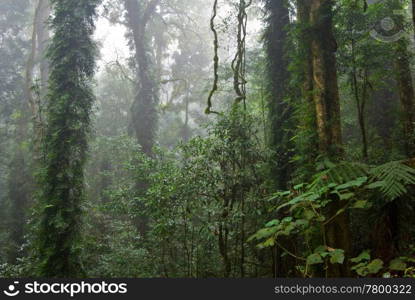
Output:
x,y
239,61
215,58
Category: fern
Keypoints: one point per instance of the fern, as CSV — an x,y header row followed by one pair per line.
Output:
x,y
339,174
392,179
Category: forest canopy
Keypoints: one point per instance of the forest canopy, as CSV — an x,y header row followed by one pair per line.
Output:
x,y
200,139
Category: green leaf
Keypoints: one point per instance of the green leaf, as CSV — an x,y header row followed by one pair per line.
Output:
x,y
361,204
337,256
320,249
314,259
346,196
272,223
309,214
263,233
360,269
299,186
376,185
268,243
354,183
365,255
397,265
375,266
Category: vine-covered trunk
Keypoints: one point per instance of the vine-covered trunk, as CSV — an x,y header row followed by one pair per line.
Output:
x,y
70,100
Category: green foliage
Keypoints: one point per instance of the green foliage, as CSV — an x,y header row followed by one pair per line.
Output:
x,y
72,62
205,198
197,192
306,204
364,266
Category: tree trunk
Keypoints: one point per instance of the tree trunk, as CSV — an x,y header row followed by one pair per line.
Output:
x,y
279,110
326,101
406,96
278,79
144,109
326,93
43,40
69,109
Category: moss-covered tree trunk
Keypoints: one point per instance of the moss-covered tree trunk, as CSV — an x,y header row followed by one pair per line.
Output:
x,y
280,111
70,99
327,108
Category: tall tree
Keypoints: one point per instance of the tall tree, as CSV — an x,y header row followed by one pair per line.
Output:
x,y
325,95
405,81
72,63
406,96
280,111
144,109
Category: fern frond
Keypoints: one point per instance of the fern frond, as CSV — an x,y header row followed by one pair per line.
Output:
x,y
393,178
339,174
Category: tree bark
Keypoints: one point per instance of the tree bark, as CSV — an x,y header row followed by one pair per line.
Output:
x,y
327,108
326,93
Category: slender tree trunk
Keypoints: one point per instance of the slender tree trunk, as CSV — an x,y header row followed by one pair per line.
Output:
x,y
20,180
43,40
186,128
